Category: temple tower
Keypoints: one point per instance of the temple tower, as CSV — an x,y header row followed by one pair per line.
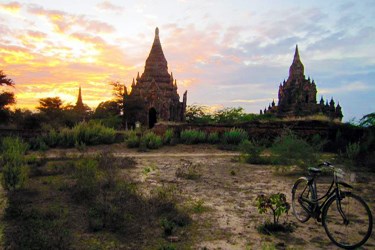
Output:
x,y
297,95
154,94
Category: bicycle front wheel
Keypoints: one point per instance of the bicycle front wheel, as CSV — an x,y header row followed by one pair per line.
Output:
x,y
301,208
347,220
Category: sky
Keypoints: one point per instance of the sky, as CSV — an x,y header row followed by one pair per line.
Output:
x,y
225,53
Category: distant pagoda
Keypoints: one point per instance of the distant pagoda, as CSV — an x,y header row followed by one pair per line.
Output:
x,y
79,104
297,96
154,94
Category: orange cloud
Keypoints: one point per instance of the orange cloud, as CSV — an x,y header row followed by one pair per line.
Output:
x,y
12,7
64,22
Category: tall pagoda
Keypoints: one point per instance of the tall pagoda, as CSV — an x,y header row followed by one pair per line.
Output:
x,y
153,95
297,96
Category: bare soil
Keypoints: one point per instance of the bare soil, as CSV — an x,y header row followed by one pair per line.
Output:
x,y
222,192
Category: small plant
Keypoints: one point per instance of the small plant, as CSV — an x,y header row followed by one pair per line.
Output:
x,y
15,170
167,226
87,183
213,138
188,170
167,247
234,136
168,136
276,203
191,136
199,207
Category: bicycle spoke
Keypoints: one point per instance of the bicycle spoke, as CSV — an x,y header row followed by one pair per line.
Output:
x,y
349,227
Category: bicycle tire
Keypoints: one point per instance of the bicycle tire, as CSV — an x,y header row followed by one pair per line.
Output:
x,y
359,228
301,186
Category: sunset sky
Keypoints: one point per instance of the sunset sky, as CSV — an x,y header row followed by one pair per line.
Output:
x,y
226,53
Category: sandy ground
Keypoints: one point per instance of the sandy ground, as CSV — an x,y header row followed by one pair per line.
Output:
x,y
227,189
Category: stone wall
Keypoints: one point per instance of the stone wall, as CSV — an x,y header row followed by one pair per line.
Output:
x,y
272,129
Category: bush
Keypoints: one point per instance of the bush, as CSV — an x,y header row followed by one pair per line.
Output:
x,y
213,138
289,149
15,171
151,141
234,136
37,229
87,179
352,151
93,133
251,152
132,141
168,136
191,136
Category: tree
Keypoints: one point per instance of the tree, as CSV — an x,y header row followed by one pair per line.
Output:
x,y
368,120
4,80
50,104
6,98
107,109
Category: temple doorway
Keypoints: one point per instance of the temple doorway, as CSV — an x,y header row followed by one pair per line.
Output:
x,y
152,117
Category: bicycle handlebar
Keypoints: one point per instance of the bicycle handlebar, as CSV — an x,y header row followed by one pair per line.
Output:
x,y
326,164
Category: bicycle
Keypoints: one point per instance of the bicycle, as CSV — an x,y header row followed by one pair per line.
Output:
x,y
345,216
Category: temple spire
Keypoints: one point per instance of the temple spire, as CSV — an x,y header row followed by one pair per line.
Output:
x,y
79,99
296,70
296,54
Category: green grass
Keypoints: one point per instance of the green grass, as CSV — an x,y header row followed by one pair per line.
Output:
x,y
191,136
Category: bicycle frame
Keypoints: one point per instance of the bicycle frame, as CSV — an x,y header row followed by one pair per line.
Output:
x,y
313,208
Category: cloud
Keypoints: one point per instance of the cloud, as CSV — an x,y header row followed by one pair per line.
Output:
x,y
64,22
12,7
347,88
108,6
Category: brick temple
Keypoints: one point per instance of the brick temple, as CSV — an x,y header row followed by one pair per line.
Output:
x,y
297,96
153,95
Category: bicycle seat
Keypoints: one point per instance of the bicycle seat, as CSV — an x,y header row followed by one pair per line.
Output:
x,y
315,170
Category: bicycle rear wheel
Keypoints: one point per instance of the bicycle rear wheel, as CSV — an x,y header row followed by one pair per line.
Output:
x,y
301,208
354,231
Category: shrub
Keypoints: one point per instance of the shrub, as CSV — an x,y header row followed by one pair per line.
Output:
x,y
352,150
290,149
168,136
234,136
93,133
51,138
87,179
251,152
191,136
151,141
15,171
38,143
188,170
213,138
37,229
132,141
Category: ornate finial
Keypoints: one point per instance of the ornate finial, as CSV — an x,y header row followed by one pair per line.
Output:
x,y
157,32
296,53
138,75
133,83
